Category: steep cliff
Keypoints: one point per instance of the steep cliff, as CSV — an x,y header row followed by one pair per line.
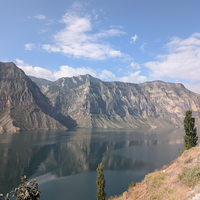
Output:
x,y
94,103
23,106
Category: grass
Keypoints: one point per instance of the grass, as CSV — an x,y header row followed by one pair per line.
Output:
x,y
112,197
164,193
178,180
158,187
155,179
186,152
131,185
190,176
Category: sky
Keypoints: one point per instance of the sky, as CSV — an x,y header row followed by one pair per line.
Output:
x,y
113,40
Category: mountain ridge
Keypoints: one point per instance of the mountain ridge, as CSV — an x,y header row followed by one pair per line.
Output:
x,y
23,106
85,101
119,104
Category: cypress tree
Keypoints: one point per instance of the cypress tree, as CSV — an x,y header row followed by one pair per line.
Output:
x,y
101,183
190,138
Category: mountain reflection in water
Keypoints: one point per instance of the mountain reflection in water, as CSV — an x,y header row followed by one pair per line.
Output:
x,y
65,156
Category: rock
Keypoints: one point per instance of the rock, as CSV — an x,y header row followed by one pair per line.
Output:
x,y
94,103
22,104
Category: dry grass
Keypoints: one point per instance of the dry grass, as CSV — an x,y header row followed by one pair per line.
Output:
x,y
190,176
178,180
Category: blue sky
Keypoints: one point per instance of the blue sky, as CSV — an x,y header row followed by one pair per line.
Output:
x,y
114,40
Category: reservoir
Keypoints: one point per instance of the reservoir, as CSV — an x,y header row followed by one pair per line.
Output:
x,y
64,162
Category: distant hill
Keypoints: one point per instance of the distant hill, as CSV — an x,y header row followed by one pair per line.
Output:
x,y
22,104
95,103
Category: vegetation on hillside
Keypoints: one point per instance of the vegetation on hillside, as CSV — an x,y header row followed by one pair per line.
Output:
x,y
179,180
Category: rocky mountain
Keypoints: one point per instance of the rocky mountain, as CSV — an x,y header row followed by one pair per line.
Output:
x,y
22,104
94,103
40,81
85,101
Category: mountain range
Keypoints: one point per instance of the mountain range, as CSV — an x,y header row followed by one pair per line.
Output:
x,y
30,103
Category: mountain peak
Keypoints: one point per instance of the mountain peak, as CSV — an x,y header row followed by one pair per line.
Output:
x,y
23,106
10,70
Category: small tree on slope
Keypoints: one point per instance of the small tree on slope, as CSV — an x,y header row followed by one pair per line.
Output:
x,y
101,183
190,138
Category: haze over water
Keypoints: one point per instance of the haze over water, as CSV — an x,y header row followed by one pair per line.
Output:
x,y
64,162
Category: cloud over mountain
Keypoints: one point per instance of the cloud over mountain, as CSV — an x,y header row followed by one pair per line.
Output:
x,y
79,40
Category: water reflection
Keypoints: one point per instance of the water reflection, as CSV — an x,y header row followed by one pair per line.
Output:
x,y
50,155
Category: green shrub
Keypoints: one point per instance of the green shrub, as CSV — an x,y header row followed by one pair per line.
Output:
x,y
131,185
25,191
190,176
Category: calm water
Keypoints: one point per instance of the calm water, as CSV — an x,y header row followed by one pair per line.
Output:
x,y
64,162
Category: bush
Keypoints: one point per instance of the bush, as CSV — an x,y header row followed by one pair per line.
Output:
x,y
131,185
190,176
25,191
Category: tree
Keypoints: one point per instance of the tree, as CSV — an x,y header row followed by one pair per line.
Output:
x,y
190,138
25,191
101,183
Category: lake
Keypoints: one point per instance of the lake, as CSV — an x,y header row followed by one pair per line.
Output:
x,y
64,162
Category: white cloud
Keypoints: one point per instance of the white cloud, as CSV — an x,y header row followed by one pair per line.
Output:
x,y
77,40
50,48
77,5
96,17
117,27
29,46
182,61
193,87
133,77
66,71
43,31
134,38
142,47
135,65
34,71
108,33
40,17
106,75
156,40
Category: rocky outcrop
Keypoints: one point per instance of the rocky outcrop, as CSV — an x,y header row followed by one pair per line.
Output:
x,y
23,106
94,103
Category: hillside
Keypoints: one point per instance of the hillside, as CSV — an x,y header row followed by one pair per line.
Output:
x,y
23,106
94,103
179,180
